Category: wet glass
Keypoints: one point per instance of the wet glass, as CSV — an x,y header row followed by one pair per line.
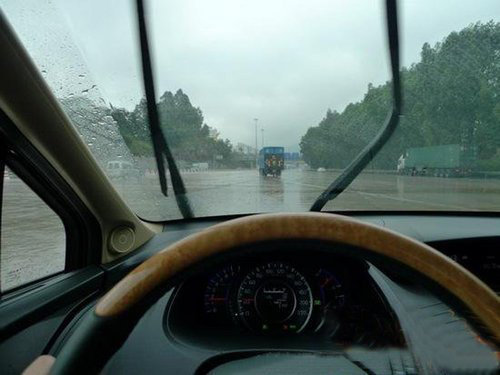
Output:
x,y
445,154
233,77
33,240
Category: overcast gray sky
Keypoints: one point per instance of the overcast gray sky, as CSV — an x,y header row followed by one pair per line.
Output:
x,y
284,62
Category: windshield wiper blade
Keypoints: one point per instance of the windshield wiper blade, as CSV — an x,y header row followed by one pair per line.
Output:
x,y
390,124
160,144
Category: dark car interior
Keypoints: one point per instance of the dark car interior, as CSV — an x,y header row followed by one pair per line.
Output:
x,y
325,291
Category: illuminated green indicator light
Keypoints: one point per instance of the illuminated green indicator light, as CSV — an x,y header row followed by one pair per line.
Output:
x,y
317,302
264,327
293,327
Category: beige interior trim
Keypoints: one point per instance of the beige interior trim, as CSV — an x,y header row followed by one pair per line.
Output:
x,y
40,366
30,104
480,299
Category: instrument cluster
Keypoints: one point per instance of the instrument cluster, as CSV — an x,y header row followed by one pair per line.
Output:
x,y
272,296
305,294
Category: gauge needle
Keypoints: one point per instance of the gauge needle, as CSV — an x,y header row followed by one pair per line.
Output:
x,y
326,282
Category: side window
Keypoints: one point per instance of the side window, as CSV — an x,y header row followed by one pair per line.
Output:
x,y
32,236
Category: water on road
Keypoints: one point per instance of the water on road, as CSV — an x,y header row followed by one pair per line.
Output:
x,y
33,239
244,191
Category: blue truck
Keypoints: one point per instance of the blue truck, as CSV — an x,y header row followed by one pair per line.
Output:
x,y
271,161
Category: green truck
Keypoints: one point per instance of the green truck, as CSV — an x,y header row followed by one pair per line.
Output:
x,y
452,160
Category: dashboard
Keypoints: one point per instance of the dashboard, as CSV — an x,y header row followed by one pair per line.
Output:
x,y
304,294
191,330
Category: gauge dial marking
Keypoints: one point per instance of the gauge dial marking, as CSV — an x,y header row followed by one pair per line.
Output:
x,y
275,297
218,292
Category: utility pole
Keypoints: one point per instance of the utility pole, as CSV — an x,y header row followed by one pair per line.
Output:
x,y
256,120
262,130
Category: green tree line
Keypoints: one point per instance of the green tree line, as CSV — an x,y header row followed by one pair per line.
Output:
x,y
452,95
189,137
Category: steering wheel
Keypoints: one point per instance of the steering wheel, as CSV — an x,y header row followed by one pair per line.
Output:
x,y
103,331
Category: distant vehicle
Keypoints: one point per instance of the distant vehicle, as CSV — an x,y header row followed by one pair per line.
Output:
x,y
321,169
451,160
271,161
122,169
200,166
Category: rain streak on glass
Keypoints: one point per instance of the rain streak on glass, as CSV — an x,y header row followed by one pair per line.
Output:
x,y
237,80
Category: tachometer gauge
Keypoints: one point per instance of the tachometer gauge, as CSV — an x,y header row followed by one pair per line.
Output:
x,y
217,296
275,297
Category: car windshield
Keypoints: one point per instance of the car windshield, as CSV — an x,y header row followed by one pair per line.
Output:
x,y
263,103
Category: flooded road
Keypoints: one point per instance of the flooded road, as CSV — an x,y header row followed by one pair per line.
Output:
x,y
33,240
244,191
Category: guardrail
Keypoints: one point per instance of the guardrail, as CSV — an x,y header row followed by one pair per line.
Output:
x,y
477,174
486,174
372,171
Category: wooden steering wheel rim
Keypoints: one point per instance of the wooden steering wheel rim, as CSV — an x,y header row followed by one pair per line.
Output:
x,y
155,271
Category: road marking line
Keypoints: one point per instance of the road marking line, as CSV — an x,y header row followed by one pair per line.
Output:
x,y
380,195
304,184
416,201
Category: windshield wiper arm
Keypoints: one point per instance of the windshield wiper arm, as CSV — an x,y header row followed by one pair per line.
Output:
x,y
160,144
390,124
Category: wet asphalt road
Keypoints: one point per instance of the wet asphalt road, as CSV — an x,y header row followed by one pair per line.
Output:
x,y
32,244
244,191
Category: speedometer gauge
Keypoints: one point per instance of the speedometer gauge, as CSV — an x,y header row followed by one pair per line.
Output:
x,y
275,297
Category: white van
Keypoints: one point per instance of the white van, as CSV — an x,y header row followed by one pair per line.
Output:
x,y
122,169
